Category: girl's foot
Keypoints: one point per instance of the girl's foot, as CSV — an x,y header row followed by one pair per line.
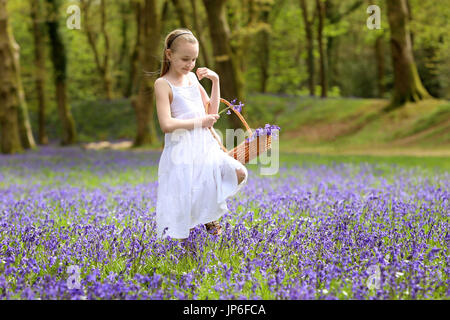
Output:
x,y
214,228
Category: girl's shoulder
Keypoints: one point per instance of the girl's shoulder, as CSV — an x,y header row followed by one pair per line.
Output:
x,y
162,87
160,79
161,83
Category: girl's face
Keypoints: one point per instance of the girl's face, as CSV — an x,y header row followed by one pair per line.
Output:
x,y
182,60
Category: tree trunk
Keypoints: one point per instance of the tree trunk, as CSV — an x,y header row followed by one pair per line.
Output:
x,y
264,57
379,58
123,77
246,40
199,31
25,132
9,98
231,81
309,45
133,83
39,58
151,24
103,67
331,10
407,83
322,56
182,16
179,8
269,14
204,57
334,15
58,54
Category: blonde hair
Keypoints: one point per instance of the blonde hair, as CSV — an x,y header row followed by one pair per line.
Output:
x,y
169,43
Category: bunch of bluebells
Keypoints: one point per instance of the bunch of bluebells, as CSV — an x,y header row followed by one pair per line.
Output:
x,y
270,130
237,107
312,232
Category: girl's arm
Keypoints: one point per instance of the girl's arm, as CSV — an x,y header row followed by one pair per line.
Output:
x,y
215,97
166,122
215,90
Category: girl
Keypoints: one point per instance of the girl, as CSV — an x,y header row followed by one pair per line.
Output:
x,y
195,176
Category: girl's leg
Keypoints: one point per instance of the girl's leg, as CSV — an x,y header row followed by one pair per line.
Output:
x,y
240,175
214,227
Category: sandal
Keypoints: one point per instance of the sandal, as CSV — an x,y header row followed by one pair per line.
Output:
x,y
214,228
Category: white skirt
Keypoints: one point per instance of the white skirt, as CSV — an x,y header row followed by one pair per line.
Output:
x,y
195,177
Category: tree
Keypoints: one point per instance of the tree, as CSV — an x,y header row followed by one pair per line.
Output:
x,y
9,100
14,96
264,44
334,15
322,56
58,54
379,58
38,30
308,22
26,135
133,83
200,35
182,14
231,80
123,76
150,32
103,66
267,13
407,83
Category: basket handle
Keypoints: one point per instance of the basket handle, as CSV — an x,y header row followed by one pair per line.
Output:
x,y
236,112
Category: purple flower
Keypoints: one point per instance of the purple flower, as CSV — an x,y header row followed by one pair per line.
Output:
x,y
314,233
433,252
270,130
112,276
233,105
238,108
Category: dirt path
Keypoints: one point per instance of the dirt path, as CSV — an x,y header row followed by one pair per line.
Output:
x,y
378,152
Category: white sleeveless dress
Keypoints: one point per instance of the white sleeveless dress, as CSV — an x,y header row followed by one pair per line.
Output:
x,y
195,176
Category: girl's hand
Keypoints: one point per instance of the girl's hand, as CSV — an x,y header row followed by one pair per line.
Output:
x,y
206,73
209,120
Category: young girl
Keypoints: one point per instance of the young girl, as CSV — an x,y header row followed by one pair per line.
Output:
x,y
195,176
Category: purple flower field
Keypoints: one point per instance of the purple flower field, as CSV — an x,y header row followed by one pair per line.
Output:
x,y
341,231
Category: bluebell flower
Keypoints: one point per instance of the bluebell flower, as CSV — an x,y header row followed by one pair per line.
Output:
x,y
233,105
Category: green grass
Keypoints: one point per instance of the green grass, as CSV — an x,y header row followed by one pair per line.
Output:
x,y
331,125
229,253
382,162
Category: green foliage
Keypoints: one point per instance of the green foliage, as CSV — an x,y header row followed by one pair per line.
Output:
x,y
333,124
352,69
352,51
96,120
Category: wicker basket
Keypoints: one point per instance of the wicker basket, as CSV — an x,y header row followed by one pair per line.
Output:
x,y
245,151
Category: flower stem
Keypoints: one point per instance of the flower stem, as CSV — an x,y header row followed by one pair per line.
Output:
x,y
224,110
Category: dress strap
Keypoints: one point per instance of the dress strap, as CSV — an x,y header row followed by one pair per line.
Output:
x,y
168,82
193,77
